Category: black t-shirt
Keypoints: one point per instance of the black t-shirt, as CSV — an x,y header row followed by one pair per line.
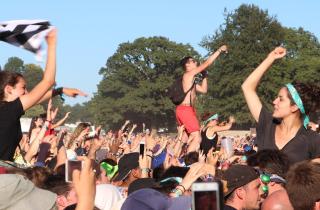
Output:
x,y
226,207
206,143
305,145
10,128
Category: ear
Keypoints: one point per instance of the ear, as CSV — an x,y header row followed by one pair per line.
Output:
x,y
62,201
294,108
240,193
8,89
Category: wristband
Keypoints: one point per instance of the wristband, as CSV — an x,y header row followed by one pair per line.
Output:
x,y
57,91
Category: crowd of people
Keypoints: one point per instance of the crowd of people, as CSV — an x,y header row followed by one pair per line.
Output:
x,y
131,169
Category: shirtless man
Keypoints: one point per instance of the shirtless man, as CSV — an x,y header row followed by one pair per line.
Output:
x,y
185,112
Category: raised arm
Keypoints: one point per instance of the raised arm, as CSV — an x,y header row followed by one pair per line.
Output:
x,y
209,61
71,92
250,84
32,98
61,122
203,87
227,126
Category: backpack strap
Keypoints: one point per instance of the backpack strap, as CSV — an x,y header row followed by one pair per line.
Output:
x,y
194,82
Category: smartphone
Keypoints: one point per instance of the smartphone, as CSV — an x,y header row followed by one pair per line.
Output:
x,y
207,196
141,148
71,165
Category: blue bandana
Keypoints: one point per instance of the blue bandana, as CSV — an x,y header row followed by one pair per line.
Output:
x,y
297,100
213,117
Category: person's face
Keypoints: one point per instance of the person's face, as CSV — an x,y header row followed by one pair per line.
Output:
x,y
17,90
252,195
104,179
137,173
39,122
282,104
190,64
213,122
69,199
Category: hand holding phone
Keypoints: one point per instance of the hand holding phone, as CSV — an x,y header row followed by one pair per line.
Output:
x,y
207,195
142,148
71,165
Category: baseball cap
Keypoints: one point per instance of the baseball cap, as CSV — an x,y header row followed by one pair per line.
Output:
x,y
140,184
237,176
126,164
19,193
106,196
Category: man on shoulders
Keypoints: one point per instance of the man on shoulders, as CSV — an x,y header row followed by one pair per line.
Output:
x,y
185,112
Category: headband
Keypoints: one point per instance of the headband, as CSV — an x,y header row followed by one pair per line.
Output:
x,y
297,100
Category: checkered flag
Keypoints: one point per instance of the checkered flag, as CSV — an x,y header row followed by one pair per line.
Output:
x,y
27,34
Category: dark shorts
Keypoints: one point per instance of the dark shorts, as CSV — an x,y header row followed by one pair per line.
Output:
x,y
186,115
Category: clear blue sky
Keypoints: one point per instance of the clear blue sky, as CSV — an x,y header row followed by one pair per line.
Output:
x,y
90,31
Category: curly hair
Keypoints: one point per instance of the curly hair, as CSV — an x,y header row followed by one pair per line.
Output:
x,y
309,94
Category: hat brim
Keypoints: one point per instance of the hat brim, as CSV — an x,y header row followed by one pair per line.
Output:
x,y
122,175
230,190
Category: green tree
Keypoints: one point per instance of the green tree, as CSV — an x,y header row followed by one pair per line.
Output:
x,y
251,34
135,80
33,75
35,111
14,64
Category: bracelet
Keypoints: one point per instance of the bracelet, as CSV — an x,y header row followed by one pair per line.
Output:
x,y
177,192
147,170
57,91
219,50
150,156
180,185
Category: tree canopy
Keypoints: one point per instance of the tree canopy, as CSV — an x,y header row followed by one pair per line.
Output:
x,y
137,75
135,80
251,34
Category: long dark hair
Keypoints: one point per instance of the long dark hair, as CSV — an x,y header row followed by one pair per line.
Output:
x,y
8,78
309,94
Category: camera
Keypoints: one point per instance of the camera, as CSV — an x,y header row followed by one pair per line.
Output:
x,y
198,78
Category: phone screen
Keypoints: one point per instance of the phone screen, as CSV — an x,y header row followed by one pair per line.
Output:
x,y
71,165
207,196
141,148
205,200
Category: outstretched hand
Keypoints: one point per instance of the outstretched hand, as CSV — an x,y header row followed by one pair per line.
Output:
x,y
72,92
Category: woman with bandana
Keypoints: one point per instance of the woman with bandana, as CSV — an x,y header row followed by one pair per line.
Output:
x,y
209,135
285,128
